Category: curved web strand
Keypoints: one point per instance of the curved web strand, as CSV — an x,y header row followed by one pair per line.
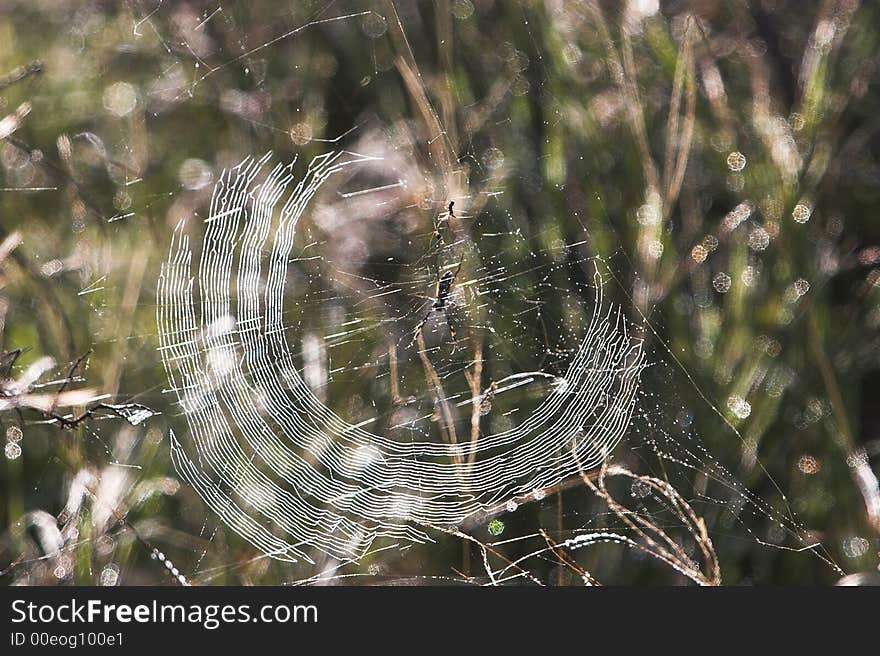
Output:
x,y
280,467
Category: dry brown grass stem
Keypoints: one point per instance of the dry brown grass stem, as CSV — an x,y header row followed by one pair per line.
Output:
x,y
447,415
657,542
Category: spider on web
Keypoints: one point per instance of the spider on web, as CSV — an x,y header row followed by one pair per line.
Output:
x,y
438,235
440,302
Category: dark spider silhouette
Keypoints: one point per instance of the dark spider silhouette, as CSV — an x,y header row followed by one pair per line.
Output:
x,y
441,300
438,235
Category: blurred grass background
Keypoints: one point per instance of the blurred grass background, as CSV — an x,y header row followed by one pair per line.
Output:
x,y
725,156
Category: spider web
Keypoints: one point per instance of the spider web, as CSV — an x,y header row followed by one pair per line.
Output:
x,y
272,456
